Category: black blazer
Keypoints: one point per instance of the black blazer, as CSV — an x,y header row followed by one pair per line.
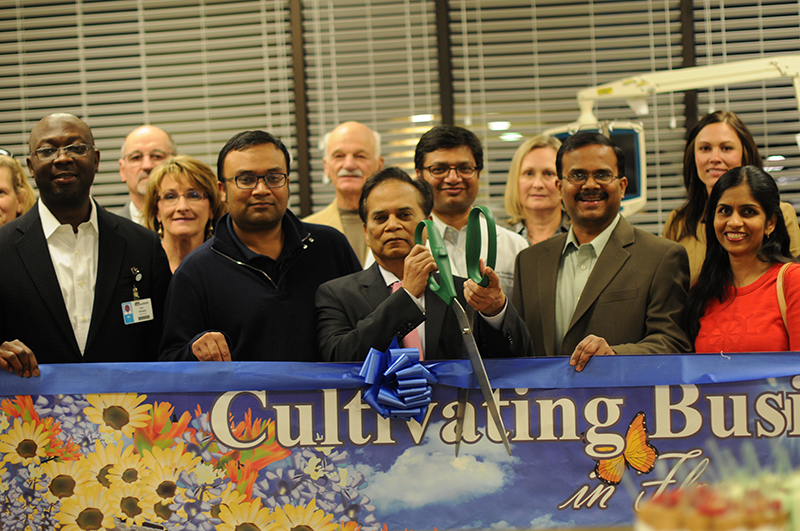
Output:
x,y
32,308
358,312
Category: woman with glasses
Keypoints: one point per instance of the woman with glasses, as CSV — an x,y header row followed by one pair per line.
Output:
x,y
532,199
16,193
719,142
735,304
181,204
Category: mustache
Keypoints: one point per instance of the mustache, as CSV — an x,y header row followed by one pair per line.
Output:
x,y
596,195
343,173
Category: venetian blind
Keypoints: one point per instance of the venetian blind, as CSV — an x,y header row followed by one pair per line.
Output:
x,y
372,61
730,31
200,69
522,62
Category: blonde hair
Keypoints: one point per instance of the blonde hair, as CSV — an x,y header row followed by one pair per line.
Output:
x,y
512,202
181,167
23,189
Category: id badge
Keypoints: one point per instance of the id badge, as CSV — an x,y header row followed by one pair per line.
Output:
x,y
137,311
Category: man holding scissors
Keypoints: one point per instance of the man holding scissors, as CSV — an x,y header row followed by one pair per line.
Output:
x,y
450,158
603,288
391,299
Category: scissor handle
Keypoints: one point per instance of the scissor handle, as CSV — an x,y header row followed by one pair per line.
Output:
x,y
447,290
474,244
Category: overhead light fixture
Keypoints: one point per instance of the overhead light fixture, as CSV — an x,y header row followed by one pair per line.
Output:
x,y
510,137
774,158
417,118
499,126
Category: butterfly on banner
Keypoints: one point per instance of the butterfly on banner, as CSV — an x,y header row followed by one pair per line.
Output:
x,y
638,454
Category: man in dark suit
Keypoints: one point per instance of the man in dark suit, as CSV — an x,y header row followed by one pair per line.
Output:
x,y
603,288
77,283
370,308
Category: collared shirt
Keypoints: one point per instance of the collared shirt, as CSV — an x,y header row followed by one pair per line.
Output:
x,y
390,278
136,214
577,262
508,246
74,257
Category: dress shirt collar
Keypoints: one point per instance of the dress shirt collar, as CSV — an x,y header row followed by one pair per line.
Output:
x,y
50,224
388,277
598,243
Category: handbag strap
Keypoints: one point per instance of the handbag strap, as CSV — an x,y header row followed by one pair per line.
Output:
x,y
782,294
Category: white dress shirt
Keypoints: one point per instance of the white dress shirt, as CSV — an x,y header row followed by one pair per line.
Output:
x,y
74,257
136,214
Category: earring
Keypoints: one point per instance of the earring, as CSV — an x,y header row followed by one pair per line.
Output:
x,y
160,230
209,229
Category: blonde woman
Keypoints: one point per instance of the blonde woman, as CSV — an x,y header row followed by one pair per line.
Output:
x,y
16,193
532,199
181,204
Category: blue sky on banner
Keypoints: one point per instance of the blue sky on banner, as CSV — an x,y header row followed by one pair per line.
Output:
x,y
327,447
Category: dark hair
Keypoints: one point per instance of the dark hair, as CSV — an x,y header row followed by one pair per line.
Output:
x,y
689,215
246,139
394,173
716,275
447,137
589,138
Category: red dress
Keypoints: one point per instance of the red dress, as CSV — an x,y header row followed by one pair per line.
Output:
x,y
749,320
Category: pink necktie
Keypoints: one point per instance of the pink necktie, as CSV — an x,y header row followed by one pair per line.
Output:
x,y
412,339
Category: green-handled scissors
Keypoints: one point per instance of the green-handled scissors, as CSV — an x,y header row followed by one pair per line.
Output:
x,y
446,290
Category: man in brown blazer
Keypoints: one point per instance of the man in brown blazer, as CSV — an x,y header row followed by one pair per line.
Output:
x,y
604,288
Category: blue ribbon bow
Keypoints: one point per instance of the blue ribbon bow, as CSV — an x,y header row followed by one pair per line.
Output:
x,y
400,387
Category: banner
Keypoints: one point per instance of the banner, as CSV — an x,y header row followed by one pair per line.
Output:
x,y
257,446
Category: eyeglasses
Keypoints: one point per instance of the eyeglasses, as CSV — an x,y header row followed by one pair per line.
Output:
x,y
248,181
157,156
47,154
440,171
599,177
192,196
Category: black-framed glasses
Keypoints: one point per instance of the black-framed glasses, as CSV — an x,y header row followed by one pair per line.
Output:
x,y
248,181
599,177
440,171
157,156
192,196
47,154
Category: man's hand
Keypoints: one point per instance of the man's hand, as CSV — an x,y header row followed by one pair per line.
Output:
x,y
489,300
417,267
16,357
590,346
211,346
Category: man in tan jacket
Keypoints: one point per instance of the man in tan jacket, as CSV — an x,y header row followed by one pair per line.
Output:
x,y
352,153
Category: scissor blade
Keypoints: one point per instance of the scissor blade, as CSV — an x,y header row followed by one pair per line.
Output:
x,y
463,395
480,373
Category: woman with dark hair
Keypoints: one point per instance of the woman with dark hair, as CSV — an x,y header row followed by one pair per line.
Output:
x,y
718,143
734,305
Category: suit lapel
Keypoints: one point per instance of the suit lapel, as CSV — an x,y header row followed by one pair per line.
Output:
x,y
35,255
373,287
548,262
435,309
111,252
608,265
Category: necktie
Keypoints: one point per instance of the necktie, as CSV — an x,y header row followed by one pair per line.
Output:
x,y
412,339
